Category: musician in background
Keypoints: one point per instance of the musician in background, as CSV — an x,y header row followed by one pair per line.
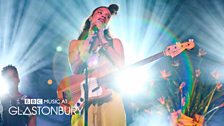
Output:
x,y
103,54
13,98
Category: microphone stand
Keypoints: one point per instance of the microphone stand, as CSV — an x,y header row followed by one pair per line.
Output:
x,y
86,96
86,88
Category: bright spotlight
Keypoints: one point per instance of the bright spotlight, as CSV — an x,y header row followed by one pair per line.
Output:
x,y
49,82
4,87
132,81
59,49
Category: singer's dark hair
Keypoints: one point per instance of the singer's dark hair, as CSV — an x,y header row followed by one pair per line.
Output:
x,y
113,8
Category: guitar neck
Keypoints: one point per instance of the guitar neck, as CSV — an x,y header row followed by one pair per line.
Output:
x,y
148,60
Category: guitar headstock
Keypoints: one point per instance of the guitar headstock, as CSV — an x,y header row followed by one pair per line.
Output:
x,y
176,49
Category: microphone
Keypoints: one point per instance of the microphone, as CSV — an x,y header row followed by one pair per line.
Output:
x,y
95,29
95,35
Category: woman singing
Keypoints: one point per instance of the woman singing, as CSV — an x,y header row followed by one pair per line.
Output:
x,y
103,55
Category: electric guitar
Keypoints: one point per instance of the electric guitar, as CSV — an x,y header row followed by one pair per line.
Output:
x,y
71,88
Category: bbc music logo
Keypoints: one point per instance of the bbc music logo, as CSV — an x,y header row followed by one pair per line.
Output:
x,y
44,101
33,101
34,107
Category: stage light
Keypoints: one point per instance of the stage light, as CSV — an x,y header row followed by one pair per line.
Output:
x,y
4,87
59,49
132,81
49,82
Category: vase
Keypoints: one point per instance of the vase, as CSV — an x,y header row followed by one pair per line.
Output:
x,y
180,119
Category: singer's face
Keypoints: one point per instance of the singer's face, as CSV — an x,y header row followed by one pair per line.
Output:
x,y
100,17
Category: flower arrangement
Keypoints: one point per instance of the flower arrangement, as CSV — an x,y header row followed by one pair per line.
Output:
x,y
192,103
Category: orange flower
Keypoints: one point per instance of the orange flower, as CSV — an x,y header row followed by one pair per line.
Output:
x,y
197,72
165,74
215,74
162,100
201,52
218,86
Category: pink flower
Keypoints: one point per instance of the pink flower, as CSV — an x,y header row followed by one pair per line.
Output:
x,y
162,100
197,72
165,74
201,52
183,101
222,105
218,86
174,115
182,86
215,74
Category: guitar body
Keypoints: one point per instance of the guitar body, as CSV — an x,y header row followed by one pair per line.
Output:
x,y
72,89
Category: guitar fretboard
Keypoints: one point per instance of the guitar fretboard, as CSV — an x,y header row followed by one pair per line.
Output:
x,y
148,60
